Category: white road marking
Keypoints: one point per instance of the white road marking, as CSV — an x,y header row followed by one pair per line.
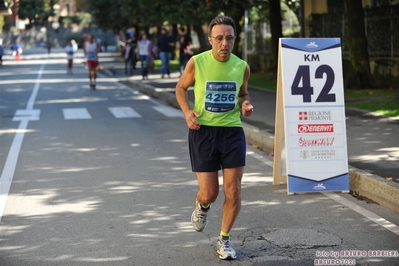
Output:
x,y
12,158
366,213
35,91
341,200
168,111
123,112
76,113
32,115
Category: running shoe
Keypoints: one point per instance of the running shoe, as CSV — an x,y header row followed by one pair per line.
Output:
x,y
225,250
198,218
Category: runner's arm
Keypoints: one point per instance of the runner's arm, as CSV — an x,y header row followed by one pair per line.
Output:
x,y
243,95
185,81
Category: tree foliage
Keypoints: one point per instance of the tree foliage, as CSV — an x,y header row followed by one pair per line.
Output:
x,y
36,11
122,14
9,3
359,56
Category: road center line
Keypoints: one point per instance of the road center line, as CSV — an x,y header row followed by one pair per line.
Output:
x,y
12,158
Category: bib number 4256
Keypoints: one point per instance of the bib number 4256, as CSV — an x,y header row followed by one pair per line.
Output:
x,y
306,90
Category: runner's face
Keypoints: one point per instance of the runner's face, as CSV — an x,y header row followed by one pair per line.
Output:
x,y
221,50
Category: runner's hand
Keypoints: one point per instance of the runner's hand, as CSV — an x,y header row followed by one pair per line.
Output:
x,y
246,108
191,120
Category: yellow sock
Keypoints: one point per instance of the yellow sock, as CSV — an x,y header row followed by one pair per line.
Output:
x,y
205,206
224,234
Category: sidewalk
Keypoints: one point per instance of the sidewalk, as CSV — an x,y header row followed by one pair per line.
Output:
x,y
373,143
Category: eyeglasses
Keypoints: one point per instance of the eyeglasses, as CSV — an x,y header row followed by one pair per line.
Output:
x,y
219,38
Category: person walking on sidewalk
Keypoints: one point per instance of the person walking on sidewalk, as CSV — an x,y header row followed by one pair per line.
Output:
x,y
185,48
91,50
1,54
165,45
143,54
216,138
130,57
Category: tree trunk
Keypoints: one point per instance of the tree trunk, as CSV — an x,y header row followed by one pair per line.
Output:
x,y
276,31
237,17
359,55
202,38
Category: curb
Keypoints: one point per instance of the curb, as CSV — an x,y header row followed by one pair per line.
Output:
x,y
361,183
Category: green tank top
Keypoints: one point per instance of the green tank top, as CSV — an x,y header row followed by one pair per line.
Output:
x,y
216,88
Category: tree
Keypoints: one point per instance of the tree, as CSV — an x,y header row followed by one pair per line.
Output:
x,y
36,11
271,12
122,14
358,48
276,31
9,3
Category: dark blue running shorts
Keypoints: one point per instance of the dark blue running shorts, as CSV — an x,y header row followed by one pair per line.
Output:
x,y
213,148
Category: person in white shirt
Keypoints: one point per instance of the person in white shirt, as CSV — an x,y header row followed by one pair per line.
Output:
x,y
143,52
70,51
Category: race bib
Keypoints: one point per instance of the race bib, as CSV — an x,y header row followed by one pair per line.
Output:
x,y
220,96
91,56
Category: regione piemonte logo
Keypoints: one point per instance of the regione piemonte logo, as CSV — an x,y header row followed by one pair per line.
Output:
x,y
303,116
314,115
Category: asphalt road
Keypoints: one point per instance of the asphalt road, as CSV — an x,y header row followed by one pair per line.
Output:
x,y
103,178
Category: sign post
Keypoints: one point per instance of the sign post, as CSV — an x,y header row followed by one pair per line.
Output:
x,y
310,116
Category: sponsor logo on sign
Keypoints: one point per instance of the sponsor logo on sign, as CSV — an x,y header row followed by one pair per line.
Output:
x,y
319,186
315,128
303,142
312,45
317,154
304,154
303,116
315,115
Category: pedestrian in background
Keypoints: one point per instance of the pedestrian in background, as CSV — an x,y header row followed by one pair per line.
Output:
x,y
165,45
1,54
185,48
91,50
129,56
153,52
74,45
143,54
48,46
17,51
216,138
70,51
105,44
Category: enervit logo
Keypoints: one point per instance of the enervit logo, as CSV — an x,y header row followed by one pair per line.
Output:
x,y
314,115
315,128
303,142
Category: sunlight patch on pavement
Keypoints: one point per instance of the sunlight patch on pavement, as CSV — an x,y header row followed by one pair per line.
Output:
x,y
45,205
8,230
260,202
14,130
388,156
96,259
